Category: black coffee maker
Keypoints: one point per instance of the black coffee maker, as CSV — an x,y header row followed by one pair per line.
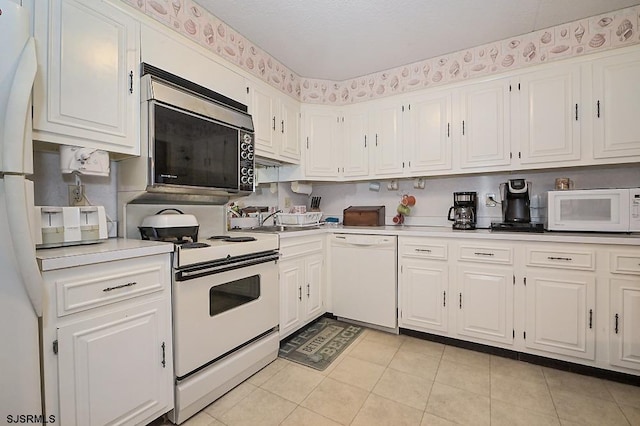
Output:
x,y
464,210
516,201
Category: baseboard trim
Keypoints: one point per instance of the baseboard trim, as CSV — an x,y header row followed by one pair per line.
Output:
x,y
585,370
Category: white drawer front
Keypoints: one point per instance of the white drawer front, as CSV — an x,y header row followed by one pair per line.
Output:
x,y
487,254
294,247
91,289
625,263
426,250
565,259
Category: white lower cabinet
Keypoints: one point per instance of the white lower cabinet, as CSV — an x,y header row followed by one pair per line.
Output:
x,y
625,334
113,366
301,282
485,302
559,312
423,285
107,347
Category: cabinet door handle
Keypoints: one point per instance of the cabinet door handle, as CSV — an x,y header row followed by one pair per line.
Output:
x,y
119,286
479,253
274,123
365,141
590,318
598,108
164,358
444,298
308,291
300,292
568,259
282,124
576,112
423,250
617,317
130,81
460,300
462,127
448,129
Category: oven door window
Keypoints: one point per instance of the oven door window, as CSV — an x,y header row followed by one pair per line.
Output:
x,y
224,297
191,150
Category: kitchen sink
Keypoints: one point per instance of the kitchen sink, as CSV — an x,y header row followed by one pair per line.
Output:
x,y
280,228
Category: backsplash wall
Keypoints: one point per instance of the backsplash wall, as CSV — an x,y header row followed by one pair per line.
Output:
x,y
434,200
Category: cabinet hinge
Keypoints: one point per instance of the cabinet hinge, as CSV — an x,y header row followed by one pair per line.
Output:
x,y
55,347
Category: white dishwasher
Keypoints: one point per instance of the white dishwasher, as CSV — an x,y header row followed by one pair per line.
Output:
x,y
363,278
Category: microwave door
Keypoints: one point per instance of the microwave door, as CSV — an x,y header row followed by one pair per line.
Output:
x,y
590,210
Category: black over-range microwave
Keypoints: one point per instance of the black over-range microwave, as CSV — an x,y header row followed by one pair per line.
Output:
x,y
200,142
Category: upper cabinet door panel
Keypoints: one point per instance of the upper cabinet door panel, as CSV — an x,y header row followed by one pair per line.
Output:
x,y
550,116
388,140
290,130
484,125
87,90
616,89
264,122
428,133
322,158
355,141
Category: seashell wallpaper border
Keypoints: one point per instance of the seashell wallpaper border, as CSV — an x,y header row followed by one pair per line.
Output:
x,y
598,33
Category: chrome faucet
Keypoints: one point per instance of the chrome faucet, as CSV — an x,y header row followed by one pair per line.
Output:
x,y
262,220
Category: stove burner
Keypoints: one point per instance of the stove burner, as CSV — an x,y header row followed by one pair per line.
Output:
x,y
240,239
232,239
188,245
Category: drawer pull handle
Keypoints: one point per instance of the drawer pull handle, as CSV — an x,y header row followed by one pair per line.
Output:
x,y
164,358
120,286
568,259
617,323
444,298
423,250
299,292
460,300
479,253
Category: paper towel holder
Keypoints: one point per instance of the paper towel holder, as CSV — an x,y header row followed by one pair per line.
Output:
x,y
301,187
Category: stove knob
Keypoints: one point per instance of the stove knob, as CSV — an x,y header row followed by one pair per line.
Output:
x,y
243,171
250,156
250,147
243,147
250,172
246,137
250,180
244,179
244,155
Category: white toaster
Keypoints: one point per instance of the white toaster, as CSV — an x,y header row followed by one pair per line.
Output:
x,y
64,226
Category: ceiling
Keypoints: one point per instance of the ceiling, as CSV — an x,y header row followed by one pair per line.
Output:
x,y
342,39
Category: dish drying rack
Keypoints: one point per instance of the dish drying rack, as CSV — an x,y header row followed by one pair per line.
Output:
x,y
298,219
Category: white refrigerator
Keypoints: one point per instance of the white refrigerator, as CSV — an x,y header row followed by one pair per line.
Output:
x,y
20,279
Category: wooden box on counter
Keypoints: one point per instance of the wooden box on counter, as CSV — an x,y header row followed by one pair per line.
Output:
x,y
363,216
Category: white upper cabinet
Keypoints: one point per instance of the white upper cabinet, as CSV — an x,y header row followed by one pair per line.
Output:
x,y
387,129
549,116
483,125
616,103
321,142
276,119
86,92
355,142
427,133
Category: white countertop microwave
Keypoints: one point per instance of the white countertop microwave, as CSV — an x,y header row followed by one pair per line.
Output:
x,y
594,210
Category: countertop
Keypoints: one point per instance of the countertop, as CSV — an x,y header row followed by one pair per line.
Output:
x,y
448,232
105,251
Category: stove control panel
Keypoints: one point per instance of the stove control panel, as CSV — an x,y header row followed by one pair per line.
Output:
x,y
247,161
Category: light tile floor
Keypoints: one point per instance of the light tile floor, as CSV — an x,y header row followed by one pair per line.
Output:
x,y
384,379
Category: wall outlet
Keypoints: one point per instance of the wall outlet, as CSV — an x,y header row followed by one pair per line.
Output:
x,y
490,200
76,195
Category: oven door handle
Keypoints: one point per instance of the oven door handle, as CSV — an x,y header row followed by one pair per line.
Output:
x,y
202,271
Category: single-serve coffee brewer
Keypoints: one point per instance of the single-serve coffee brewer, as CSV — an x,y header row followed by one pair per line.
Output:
x,y
463,210
515,196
